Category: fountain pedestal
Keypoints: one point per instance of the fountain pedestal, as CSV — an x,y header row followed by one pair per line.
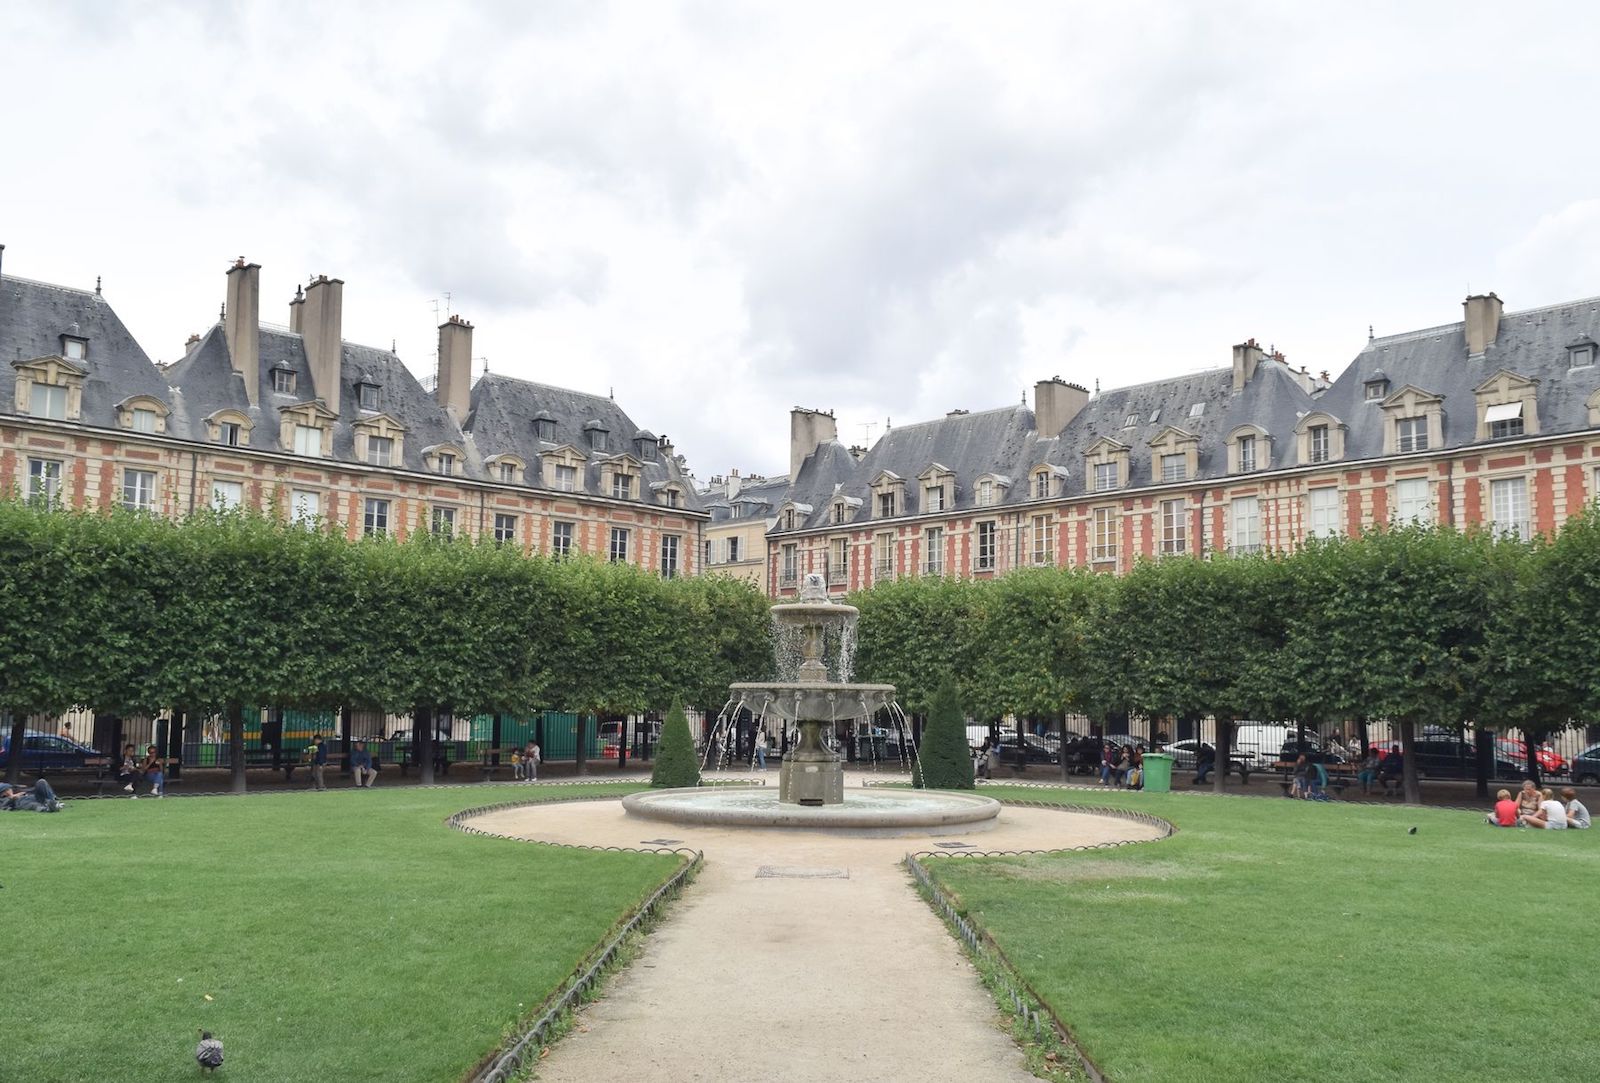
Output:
x,y
810,774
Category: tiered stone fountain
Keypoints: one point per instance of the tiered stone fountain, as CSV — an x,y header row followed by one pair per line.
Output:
x,y
811,791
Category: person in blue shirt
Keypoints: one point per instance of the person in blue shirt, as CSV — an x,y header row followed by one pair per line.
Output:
x,y
361,768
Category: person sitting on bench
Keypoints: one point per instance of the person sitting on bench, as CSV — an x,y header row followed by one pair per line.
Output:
x,y
1392,770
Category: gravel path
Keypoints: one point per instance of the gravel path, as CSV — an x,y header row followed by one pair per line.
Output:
x,y
794,956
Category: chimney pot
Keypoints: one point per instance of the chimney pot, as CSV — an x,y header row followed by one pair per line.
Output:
x,y
241,325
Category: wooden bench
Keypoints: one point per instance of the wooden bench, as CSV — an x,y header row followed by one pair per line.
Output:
x,y
1340,776
106,776
487,766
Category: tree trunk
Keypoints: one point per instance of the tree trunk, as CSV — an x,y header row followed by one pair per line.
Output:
x,y
1066,768
1219,770
19,745
1022,750
236,783
1408,765
1484,742
580,747
422,742
622,744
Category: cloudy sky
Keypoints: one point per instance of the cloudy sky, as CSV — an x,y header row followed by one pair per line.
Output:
x,y
722,210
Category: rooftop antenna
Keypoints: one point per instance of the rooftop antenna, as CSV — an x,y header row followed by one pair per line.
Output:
x,y
1097,387
611,392
485,361
1369,332
97,285
888,423
866,431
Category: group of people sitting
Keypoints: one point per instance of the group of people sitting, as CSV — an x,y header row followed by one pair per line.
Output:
x,y
1122,766
1534,807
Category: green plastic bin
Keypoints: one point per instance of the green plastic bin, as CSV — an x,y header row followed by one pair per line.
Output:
x,y
1157,772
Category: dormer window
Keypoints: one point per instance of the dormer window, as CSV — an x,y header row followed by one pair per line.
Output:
x,y
367,396
229,428
839,514
566,478
622,486
1247,454
142,413
644,445
50,402
1041,485
74,348
933,498
1105,477
669,497
885,505
788,519
985,492
283,381
144,420
380,450
508,473
444,462
49,387
1321,448
1376,389
1155,415
1197,410
1174,467
1130,421
1411,434
308,441
229,433
544,427
888,493
1580,355
597,436
1507,406
1319,436
1504,420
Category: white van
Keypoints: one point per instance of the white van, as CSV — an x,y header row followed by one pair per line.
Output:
x,y
1261,743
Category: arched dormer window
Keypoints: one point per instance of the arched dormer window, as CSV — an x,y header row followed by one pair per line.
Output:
x,y
793,515
230,428
1319,438
990,489
446,460
1249,449
143,413
1046,480
506,469
1106,465
668,494
843,509
1507,405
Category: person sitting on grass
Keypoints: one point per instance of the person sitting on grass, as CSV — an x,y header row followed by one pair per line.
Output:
x,y
1528,799
1577,815
1505,811
36,798
1552,815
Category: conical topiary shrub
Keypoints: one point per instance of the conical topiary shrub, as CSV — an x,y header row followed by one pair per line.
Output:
x,y
675,763
944,761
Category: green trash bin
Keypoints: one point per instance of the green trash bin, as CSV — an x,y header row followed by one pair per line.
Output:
x,y
1157,772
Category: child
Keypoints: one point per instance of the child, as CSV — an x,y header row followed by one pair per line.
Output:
x,y
1552,814
1505,810
1577,814
516,765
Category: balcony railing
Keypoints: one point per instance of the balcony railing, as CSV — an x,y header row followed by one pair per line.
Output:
x,y
933,567
838,575
788,577
883,570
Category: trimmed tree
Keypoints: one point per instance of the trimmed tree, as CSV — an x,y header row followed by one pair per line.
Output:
x,y
675,764
943,762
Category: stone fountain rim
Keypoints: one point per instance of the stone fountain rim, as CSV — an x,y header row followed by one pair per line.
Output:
x,y
978,813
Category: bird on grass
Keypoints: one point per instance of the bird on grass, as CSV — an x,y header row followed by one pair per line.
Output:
x,y
209,1052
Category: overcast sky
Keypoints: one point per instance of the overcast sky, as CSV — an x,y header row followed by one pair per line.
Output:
x,y
723,210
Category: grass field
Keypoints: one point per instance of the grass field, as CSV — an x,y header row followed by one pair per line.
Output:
x,y
339,936
1284,940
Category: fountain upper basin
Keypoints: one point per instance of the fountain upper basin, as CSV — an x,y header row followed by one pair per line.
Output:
x,y
881,813
811,701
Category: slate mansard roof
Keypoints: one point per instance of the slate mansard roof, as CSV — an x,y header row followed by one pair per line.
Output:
x,y
34,317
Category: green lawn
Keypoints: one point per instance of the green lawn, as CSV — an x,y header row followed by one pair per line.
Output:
x,y
339,936
1285,940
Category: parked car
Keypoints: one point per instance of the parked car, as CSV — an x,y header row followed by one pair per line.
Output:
x,y
1550,761
1448,755
1586,766
44,752
1186,757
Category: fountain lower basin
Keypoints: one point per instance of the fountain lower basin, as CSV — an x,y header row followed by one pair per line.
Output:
x,y
879,813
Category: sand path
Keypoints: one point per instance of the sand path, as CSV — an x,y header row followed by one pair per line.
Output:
x,y
794,956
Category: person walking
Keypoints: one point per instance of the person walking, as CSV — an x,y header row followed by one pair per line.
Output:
x,y
761,748
319,761
530,762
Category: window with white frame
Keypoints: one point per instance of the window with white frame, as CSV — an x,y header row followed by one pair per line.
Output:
x,y
505,528
933,551
669,555
304,506
933,498
622,486
1174,527
508,472
1413,501
1174,467
1247,524
1411,434
44,481
1043,547
560,540
566,478
1508,501
885,505
139,490
380,450
1104,542
1247,454
444,462
226,495
283,381
883,556
49,401
838,562
1504,420
790,573
74,349
229,433
1041,485
1105,477
375,517
619,544
1323,517
1197,409
443,522
986,546
308,441
985,493
367,396
733,550
144,419
1321,446
705,553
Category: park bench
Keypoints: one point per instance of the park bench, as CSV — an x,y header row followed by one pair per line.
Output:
x,y
487,766
1339,776
105,775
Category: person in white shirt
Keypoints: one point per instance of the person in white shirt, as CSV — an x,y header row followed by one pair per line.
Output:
x,y
1552,815
1577,815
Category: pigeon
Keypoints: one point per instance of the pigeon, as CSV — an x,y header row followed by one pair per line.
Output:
x,y
1413,831
209,1052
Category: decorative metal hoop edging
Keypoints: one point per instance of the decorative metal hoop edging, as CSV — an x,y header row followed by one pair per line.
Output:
x,y
514,1058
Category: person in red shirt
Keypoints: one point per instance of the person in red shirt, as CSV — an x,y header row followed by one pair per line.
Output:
x,y
1505,810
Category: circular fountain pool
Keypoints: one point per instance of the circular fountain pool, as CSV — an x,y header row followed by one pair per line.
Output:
x,y
875,813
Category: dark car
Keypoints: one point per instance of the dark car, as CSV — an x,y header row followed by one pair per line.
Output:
x,y
1185,757
1441,755
1586,766
44,752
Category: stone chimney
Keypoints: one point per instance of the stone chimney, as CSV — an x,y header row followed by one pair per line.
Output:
x,y
297,310
1246,356
454,389
808,430
1483,322
734,483
241,324
321,327
1055,404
